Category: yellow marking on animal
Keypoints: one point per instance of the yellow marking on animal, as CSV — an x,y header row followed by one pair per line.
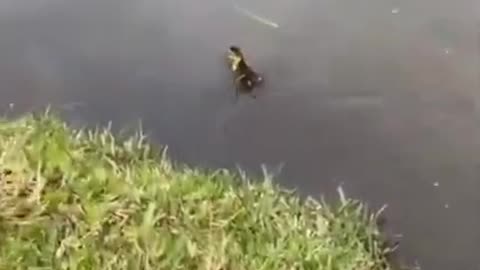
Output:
x,y
235,61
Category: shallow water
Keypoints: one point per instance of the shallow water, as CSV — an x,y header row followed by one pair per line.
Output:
x,y
378,96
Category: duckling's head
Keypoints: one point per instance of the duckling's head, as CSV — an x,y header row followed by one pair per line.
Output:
x,y
235,50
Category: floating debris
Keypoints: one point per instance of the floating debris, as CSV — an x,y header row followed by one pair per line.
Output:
x,y
436,184
255,17
395,11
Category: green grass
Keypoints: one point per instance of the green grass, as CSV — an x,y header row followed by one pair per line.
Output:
x,y
80,199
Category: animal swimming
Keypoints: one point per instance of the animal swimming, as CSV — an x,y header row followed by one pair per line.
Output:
x,y
245,78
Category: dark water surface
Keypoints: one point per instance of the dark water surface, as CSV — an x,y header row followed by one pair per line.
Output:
x,y
379,96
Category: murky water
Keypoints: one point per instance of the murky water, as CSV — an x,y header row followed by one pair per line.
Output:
x,y
379,96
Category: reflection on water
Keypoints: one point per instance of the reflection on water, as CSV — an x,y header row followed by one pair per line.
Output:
x,y
379,96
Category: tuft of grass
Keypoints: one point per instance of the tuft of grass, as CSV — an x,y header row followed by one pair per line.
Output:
x,y
83,199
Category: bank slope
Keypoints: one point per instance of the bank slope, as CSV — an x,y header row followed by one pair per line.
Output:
x,y
83,199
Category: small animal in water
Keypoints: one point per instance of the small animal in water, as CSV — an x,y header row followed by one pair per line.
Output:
x,y
245,78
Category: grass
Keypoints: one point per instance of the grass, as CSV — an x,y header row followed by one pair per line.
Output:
x,y
83,199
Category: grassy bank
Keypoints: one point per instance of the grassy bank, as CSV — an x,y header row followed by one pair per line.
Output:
x,y
85,200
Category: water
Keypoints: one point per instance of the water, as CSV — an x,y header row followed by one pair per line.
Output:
x,y
378,96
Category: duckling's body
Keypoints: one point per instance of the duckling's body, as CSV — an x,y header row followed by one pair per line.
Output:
x,y
246,79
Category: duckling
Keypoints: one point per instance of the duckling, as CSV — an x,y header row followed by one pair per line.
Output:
x,y
245,78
